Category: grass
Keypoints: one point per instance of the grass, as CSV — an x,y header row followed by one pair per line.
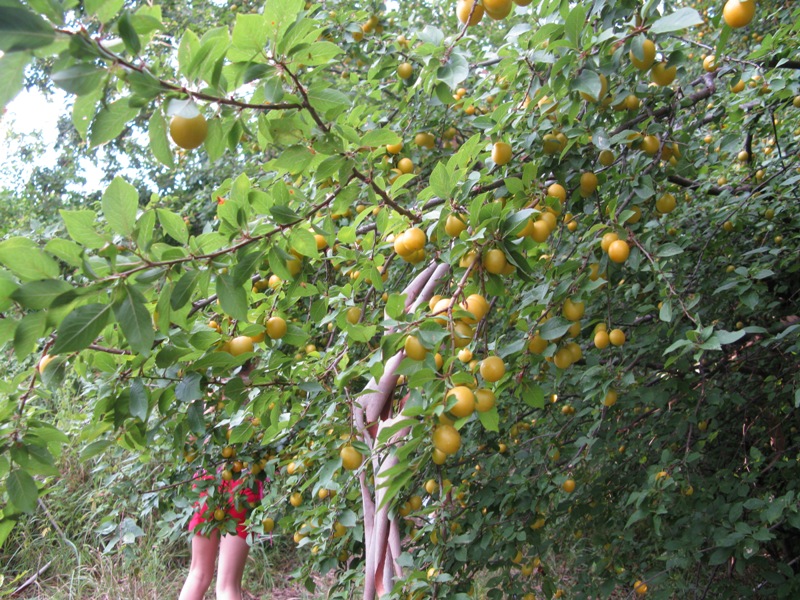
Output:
x,y
66,549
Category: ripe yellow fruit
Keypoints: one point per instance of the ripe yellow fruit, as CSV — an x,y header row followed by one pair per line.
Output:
x,y
414,348
498,9
666,204
425,140
710,63
43,362
648,56
606,158
541,231
588,184
636,216
610,398
438,457
351,458
537,345
568,486
640,588
601,340
394,148
739,14
619,251
465,401
556,190
495,261
188,133
404,70
406,165
353,315
607,240
662,75
563,358
484,400
414,239
268,524
616,337
501,153
463,10
296,499
462,334
276,328
573,311
454,225
492,368
431,486
446,439
465,355
240,345
650,145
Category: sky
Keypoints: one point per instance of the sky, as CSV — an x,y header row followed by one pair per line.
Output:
x,y
31,112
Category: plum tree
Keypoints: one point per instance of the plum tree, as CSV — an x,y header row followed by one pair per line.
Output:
x,y
566,286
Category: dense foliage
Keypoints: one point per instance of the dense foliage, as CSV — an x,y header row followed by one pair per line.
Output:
x,y
593,200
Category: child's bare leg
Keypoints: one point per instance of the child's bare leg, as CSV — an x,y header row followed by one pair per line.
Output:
x,y
201,571
232,556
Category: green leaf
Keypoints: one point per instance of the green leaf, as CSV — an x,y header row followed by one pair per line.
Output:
x,y
120,202
318,53
293,160
134,319
380,137
12,70
669,249
159,144
441,181
111,121
128,33
232,297
554,328
184,289
680,19
173,224
20,29
328,101
574,24
104,10
283,215
246,266
82,227
84,110
729,337
589,83
26,260
249,38
304,242
27,334
79,79
139,403
490,419
22,490
454,71
6,526
665,312
40,294
95,448
81,327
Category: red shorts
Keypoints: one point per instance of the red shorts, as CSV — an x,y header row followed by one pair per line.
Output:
x,y
238,498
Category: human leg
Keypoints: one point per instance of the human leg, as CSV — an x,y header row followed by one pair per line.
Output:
x,y
201,570
233,550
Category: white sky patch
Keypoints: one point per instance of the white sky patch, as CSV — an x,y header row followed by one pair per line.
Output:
x,y
31,112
